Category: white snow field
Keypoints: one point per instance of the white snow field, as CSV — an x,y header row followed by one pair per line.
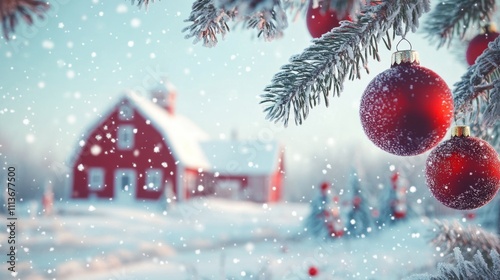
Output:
x,y
205,239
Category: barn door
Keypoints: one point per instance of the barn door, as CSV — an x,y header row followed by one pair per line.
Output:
x,y
125,185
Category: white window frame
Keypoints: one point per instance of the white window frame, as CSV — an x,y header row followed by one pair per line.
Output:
x,y
154,177
96,178
125,112
125,137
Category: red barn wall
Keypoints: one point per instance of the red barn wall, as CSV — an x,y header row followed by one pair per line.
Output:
x,y
140,158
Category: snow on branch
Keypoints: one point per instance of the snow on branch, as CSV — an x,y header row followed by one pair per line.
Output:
x,y
208,21
12,10
481,80
247,6
472,239
142,2
339,54
210,18
453,18
476,269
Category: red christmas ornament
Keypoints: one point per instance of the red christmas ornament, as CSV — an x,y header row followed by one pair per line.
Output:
x,y
313,271
480,43
319,21
407,109
463,172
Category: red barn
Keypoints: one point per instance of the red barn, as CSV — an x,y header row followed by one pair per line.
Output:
x,y
142,150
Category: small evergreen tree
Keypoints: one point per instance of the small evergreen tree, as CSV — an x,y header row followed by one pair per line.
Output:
x,y
359,215
393,206
324,220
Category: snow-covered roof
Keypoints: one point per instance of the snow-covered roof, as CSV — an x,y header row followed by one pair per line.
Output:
x,y
242,157
192,146
181,134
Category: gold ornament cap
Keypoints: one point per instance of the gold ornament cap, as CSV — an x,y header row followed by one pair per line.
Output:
x,y
489,28
406,56
460,131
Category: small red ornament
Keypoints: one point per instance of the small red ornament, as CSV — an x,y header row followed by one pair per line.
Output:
x,y
313,271
407,109
319,21
324,187
463,172
480,43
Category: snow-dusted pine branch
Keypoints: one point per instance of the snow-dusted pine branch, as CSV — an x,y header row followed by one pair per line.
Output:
x,y
210,18
246,7
477,269
13,10
481,85
142,2
208,22
472,239
451,18
323,67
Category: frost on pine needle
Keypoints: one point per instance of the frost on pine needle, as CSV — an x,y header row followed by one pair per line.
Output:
x,y
454,17
323,67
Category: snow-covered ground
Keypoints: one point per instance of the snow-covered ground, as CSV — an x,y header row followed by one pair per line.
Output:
x,y
206,239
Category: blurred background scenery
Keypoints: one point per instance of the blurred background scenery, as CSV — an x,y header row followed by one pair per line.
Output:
x,y
61,76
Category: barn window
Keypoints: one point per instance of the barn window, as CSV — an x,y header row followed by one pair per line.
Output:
x,y
125,113
125,137
153,179
96,178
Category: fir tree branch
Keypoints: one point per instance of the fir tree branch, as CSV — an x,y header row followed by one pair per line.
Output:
x,y
476,269
247,7
270,23
11,10
450,235
208,21
142,2
481,80
453,18
210,18
322,68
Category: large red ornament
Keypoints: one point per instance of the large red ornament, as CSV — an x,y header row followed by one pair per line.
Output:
x,y
463,172
407,109
480,43
319,21
313,271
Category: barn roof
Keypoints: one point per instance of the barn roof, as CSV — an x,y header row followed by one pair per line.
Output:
x,y
181,134
193,147
242,157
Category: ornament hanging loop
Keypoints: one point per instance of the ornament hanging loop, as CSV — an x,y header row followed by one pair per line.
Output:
x,y
406,40
404,56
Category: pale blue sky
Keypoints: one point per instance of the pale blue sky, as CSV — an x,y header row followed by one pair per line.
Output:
x,y
57,77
